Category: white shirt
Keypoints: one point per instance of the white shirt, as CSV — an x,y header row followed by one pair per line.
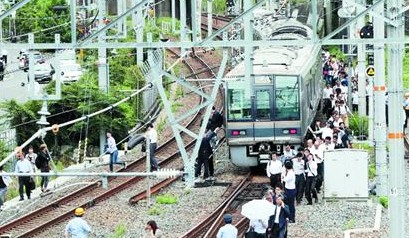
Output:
x,y
152,135
23,166
227,231
290,180
317,154
111,144
273,167
298,166
259,226
355,98
327,147
327,92
326,131
288,154
311,168
278,208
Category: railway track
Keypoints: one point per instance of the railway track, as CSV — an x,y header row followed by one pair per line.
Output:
x,y
245,190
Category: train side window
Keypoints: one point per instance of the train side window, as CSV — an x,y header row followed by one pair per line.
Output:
x,y
239,101
286,98
263,108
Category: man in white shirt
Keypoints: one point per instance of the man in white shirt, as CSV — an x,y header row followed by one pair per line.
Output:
x,y
317,152
311,173
299,169
228,230
274,170
152,135
23,166
288,153
327,104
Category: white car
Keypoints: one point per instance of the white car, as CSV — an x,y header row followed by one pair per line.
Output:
x,y
71,73
43,73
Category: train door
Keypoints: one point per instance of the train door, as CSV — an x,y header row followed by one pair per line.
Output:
x,y
263,104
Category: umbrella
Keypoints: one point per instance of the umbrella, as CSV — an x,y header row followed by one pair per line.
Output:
x,y
258,209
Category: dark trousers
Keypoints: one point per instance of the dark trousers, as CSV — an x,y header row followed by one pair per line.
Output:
x,y
202,160
327,104
355,107
44,182
320,176
277,232
300,187
24,182
310,188
153,161
406,120
211,166
275,180
290,195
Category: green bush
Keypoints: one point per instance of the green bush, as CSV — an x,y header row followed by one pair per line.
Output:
x,y
372,171
384,201
167,199
359,124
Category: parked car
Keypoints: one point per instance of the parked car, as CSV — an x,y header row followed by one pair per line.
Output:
x,y
24,59
43,73
71,73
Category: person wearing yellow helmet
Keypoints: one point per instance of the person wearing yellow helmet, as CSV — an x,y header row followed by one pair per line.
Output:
x,y
77,227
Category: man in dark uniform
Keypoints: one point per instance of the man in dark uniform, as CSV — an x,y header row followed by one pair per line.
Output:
x,y
205,151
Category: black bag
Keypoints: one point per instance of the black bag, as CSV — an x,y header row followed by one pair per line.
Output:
x,y
251,233
144,146
31,184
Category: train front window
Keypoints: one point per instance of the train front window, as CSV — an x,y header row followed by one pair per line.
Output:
x,y
286,98
239,100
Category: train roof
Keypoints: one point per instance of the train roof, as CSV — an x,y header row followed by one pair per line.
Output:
x,y
286,60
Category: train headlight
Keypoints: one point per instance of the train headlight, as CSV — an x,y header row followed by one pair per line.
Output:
x,y
238,133
292,131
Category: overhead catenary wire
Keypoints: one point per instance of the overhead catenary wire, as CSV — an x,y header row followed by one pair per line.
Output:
x,y
42,131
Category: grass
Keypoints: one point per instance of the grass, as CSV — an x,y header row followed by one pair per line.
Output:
x,y
350,224
155,210
119,231
384,201
161,125
167,199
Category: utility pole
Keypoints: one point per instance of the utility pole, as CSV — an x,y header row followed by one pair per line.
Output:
x,y
182,17
103,81
379,90
397,194
361,61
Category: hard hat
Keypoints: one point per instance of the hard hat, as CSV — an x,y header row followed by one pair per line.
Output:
x,y
79,211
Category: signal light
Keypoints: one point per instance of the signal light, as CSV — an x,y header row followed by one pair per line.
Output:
x,y
238,133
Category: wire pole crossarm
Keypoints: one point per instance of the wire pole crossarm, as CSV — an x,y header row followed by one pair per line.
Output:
x,y
245,13
110,24
350,21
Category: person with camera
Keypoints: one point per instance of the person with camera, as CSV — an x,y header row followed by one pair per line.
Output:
x,y
278,222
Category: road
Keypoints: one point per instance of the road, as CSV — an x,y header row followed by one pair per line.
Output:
x,y
14,85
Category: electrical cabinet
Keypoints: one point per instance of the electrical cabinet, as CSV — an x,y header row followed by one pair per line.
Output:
x,y
346,174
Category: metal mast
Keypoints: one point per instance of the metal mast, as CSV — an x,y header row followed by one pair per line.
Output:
x,y
380,109
397,205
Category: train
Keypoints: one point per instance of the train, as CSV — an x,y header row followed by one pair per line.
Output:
x,y
280,101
